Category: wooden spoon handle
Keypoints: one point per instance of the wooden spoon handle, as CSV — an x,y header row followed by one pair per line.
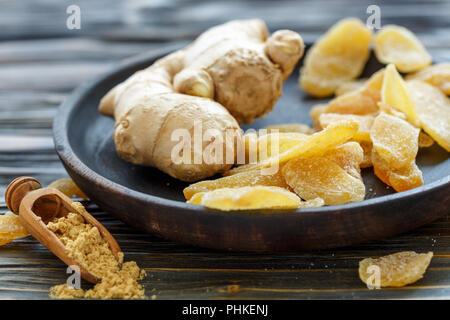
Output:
x,y
17,190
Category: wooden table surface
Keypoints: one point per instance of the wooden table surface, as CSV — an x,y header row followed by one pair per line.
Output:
x,y
41,62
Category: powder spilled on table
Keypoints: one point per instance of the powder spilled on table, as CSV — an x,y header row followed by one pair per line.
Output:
x,y
85,244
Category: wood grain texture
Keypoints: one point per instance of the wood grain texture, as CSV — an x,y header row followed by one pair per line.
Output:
x,y
41,62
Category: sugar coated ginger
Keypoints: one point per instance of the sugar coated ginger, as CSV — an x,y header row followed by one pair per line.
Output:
x,y
231,74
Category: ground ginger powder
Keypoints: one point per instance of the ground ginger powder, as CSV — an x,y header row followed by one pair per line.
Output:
x,y
90,250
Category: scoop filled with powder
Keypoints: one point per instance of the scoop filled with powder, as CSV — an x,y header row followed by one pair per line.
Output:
x,y
85,244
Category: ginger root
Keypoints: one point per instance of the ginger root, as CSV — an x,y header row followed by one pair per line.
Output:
x,y
231,74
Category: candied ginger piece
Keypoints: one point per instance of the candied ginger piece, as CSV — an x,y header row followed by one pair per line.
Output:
x,y
313,203
315,113
317,110
395,270
437,75
350,86
348,156
313,145
68,187
196,198
364,122
433,110
395,93
11,228
425,140
392,111
320,177
362,101
2,242
250,178
338,56
273,144
402,179
398,45
250,198
270,144
395,140
367,151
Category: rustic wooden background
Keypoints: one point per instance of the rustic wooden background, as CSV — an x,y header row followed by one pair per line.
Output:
x,y
41,61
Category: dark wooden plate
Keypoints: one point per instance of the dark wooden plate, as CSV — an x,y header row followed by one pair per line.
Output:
x,y
152,201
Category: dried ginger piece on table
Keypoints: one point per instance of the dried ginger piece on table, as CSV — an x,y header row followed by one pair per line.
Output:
x,y
437,75
433,111
320,177
395,140
398,45
248,198
338,56
11,228
395,270
68,187
5,241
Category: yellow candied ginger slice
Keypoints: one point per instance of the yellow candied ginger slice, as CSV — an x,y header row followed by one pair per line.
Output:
x,y
338,56
250,178
433,110
395,140
398,45
11,228
401,179
248,198
314,145
361,101
364,122
437,75
320,177
395,93
68,187
394,270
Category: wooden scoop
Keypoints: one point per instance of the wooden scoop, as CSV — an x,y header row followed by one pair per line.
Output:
x,y
36,206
